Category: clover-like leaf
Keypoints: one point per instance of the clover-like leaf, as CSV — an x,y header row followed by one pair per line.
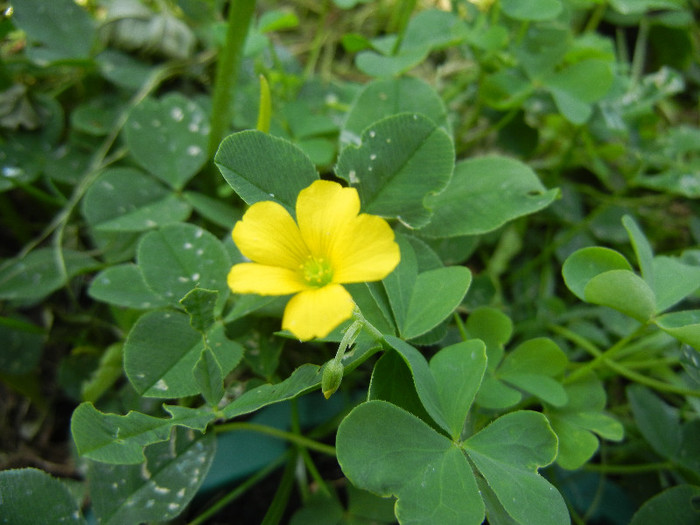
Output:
x,y
421,301
508,453
303,379
388,451
483,194
389,167
128,200
168,137
180,257
123,285
532,367
577,423
260,167
386,97
120,440
31,495
158,489
162,349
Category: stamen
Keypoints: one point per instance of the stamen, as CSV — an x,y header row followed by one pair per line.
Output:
x,y
317,272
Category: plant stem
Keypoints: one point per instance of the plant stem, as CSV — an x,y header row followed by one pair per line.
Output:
x,y
605,358
240,15
277,433
600,357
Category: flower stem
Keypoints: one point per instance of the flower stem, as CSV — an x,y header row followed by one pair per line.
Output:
x,y
240,14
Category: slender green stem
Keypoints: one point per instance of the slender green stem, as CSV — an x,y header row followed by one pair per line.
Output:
x,y
605,358
240,15
460,326
600,357
238,491
277,433
595,18
399,19
369,327
319,38
640,51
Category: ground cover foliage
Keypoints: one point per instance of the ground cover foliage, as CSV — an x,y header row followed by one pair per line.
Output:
x,y
532,359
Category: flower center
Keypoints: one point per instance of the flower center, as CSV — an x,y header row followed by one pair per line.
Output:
x,y
317,272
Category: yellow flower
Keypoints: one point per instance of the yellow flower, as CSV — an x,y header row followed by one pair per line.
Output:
x,y
328,245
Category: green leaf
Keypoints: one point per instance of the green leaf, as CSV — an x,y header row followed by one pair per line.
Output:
x,y
684,326
421,301
508,453
389,167
386,450
123,285
428,30
483,195
573,92
215,210
624,291
120,440
22,345
126,199
584,264
162,348
157,490
673,281
30,495
392,381
435,296
260,167
169,137
376,65
494,328
677,181
642,249
383,98
628,7
658,422
306,377
677,504
200,304
207,372
496,395
532,10
577,421
56,30
690,360
40,273
426,385
506,89
532,367
177,258
435,29
458,370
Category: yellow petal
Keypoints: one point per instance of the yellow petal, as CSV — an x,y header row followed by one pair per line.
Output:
x,y
264,280
316,312
323,211
268,235
365,250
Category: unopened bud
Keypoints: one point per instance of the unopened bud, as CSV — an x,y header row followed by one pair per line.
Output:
x,y
332,377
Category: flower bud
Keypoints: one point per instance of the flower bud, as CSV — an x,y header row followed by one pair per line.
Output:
x,y
332,376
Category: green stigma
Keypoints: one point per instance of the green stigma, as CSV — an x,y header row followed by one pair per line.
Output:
x,y
317,272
